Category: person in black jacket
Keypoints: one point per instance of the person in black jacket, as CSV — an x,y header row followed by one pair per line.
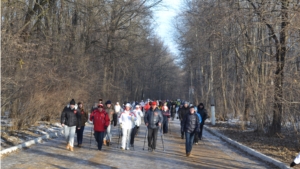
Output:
x,y
190,125
173,111
70,120
181,113
84,118
203,113
153,119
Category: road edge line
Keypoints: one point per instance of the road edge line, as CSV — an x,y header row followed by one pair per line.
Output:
x,y
248,150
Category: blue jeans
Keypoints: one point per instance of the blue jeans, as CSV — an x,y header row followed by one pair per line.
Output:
x,y
80,134
189,140
107,136
99,138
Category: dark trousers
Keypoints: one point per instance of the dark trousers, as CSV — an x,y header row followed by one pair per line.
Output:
x,y
152,137
189,140
165,126
80,134
99,138
196,138
182,132
201,131
132,135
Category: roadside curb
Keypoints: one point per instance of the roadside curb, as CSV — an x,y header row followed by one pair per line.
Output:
x,y
31,142
248,150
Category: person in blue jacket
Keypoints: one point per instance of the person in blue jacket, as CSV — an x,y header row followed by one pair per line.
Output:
x,y
196,138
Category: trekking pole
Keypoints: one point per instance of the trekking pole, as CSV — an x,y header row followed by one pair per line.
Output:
x,y
91,136
119,136
145,138
162,139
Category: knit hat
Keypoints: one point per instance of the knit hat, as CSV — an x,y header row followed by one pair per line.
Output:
x,y
153,103
72,102
117,103
100,105
108,102
128,105
186,102
192,107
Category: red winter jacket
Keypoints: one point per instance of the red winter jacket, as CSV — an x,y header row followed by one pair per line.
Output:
x,y
100,119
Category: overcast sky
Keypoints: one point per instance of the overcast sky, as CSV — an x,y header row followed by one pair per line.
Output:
x,y
165,20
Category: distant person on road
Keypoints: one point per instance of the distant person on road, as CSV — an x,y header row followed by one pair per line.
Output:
x,y
84,118
166,116
203,113
139,114
196,139
118,109
101,121
173,111
296,161
111,113
153,119
70,120
190,126
126,120
181,113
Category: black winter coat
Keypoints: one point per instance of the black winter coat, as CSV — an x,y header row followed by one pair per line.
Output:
x,y
153,117
71,117
190,123
182,112
203,114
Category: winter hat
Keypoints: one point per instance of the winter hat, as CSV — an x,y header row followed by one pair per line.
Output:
x,y
154,103
186,102
137,106
192,107
72,102
128,105
100,106
108,102
117,103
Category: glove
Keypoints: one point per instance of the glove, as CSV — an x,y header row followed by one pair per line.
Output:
x,y
105,127
121,125
293,164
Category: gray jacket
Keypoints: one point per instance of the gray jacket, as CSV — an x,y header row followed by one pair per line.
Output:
x,y
153,117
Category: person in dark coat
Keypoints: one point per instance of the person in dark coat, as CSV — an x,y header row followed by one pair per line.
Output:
x,y
181,113
166,116
70,120
190,126
84,119
173,111
203,113
153,119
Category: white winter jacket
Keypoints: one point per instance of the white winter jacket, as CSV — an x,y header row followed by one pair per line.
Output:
x,y
127,119
297,159
139,115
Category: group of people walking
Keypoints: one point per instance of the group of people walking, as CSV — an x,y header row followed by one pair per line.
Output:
x,y
156,117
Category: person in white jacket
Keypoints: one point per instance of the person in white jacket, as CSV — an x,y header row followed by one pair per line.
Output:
x,y
118,109
296,161
139,114
126,120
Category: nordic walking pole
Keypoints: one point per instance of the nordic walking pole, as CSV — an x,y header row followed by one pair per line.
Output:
x,y
119,136
162,139
91,136
145,138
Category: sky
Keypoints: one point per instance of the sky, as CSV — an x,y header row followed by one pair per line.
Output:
x,y
164,17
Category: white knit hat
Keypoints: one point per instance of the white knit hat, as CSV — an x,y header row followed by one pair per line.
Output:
x,y
128,105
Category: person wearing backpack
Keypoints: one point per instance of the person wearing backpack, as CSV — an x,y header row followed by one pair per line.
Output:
x,y
101,121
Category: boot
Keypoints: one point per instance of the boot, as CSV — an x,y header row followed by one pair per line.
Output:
x,y
188,154
104,142
79,145
68,146
107,142
71,148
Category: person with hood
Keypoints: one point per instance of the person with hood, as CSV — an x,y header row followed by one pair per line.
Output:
x,y
84,119
70,120
203,113
139,114
196,138
126,121
173,111
296,161
110,111
181,113
153,119
101,121
190,126
166,116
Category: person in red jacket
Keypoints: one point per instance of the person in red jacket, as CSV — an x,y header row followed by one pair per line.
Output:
x,y
101,121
